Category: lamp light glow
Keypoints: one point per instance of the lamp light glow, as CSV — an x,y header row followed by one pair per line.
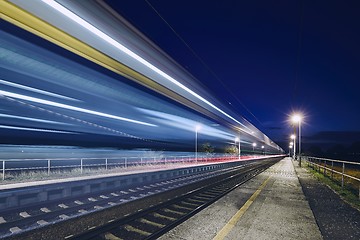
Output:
x,y
296,118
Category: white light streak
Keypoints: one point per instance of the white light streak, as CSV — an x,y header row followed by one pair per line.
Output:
x,y
65,106
35,129
31,119
122,48
36,90
185,124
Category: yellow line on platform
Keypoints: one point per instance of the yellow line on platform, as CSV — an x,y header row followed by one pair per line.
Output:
x,y
233,221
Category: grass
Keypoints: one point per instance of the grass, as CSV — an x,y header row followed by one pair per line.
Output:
x,y
350,191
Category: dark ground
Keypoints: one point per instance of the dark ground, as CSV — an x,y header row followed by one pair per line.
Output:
x,y
336,219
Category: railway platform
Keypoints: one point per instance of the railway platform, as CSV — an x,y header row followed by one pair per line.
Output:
x,y
269,206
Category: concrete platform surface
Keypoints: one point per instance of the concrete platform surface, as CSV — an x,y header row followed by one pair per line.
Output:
x,y
270,206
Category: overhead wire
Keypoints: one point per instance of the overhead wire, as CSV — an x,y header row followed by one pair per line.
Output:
x,y
205,65
299,48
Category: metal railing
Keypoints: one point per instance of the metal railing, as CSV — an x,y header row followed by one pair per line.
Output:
x,y
49,165
331,167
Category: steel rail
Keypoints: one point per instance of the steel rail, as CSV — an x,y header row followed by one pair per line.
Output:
x,y
185,206
29,223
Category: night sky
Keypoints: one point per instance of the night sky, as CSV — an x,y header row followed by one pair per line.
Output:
x,y
266,59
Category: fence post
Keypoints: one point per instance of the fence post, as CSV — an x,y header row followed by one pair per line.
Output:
x,y
106,164
325,168
165,161
3,170
49,167
141,161
332,169
126,162
312,165
342,175
81,166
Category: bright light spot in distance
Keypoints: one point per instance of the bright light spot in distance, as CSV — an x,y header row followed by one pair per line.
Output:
x,y
296,118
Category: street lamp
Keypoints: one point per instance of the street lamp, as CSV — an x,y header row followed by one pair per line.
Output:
x,y
197,128
293,137
290,147
262,147
237,139
296,118
254,145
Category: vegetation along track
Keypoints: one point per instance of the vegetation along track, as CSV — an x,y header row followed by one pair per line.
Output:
x,y
156,220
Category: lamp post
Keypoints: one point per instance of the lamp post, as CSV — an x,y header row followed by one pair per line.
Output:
x,y
293,137
197,128
237,139
254,145
297,119
263,148
290,147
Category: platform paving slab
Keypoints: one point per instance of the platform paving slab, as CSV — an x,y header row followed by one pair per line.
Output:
x,y
280,212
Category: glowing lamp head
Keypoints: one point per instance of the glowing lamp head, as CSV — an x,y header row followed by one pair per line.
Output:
x,y
296,118
254,144
237,139
198,127
292,136
262,147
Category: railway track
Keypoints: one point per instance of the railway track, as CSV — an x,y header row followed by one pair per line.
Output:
x,y
21,220
16,222
156,220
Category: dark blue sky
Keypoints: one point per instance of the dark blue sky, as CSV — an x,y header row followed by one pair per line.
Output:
x,y
270,58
